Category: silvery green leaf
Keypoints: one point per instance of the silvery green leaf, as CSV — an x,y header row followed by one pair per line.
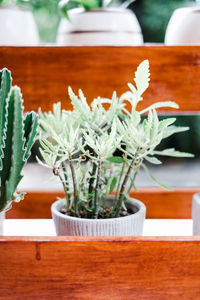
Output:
x,y
48,145
135,118
173,129
148,123
46,157
154,127
159,105
132,88
84,102
142,77
153,160
42,163
166,123
172,152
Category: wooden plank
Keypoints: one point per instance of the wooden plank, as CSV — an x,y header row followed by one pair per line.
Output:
x,y
160,203
43,73
103,268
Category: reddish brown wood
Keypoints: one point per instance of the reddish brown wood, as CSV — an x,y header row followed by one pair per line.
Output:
x,y
91,268
102,268
43,73
36,205
160,203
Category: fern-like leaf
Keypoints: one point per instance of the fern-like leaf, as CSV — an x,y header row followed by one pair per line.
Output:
x,y
142,77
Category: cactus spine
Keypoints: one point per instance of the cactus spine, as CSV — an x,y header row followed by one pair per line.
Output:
x,y
17,135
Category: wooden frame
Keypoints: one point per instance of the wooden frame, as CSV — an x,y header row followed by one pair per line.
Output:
x,y
100,268
103,268
161,204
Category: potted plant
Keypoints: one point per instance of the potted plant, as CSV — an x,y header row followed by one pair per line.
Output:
x,y
98,22
17,135
96,152
21,29
183,27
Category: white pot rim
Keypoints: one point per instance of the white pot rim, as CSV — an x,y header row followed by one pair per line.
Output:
x,y
140,205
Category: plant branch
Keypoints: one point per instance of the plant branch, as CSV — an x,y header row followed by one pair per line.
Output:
x,y
66,184
74,185
91,184
121,194
118,185
97,189
133,182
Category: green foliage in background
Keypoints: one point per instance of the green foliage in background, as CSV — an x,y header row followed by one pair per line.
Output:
x,y
17,135
154,15
66,5
83,142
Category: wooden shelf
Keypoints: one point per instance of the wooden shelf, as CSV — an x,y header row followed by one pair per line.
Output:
x,y
161,204
102,268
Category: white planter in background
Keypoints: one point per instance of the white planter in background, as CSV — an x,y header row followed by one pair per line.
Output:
x,y
124,226
110,26
2,217
18,27
196,214
184,27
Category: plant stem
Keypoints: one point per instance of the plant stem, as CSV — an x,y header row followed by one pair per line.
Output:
x,y
132,181
97,189
121,194
66,184
74,185
120,178
56,172
91,184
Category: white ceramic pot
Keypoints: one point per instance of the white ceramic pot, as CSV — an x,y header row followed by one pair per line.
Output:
x,y
18,27
123,226
2,217
196,214
184,27
110,26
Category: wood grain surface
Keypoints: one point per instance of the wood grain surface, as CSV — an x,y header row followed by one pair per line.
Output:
x,y
103,268
44,73
160,203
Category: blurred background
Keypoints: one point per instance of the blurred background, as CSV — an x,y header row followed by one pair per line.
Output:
x,y
153,16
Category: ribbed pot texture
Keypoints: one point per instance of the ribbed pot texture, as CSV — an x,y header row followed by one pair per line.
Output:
x,y
196,214
2,217
131,225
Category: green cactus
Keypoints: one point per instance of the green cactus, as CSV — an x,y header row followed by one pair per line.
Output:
x,y
17,135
